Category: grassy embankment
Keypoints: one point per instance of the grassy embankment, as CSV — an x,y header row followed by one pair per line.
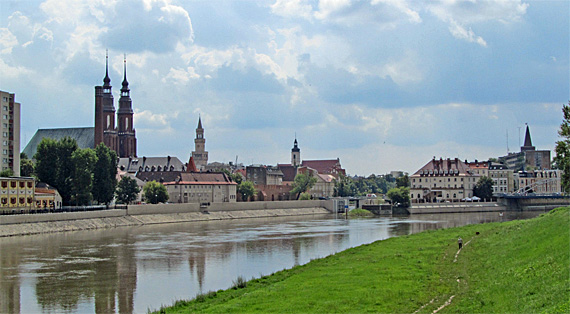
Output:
x,y
516,267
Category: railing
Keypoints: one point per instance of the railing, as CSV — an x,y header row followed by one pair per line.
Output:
x,y
63,209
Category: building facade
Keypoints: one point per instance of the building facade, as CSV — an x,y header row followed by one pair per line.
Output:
x,y
539,181
442,180
200,154
17,192
122,137
503,178
10,111
264,175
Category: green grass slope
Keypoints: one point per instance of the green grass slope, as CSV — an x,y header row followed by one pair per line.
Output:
x,y
511,267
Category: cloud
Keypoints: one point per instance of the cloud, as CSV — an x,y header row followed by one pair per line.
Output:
x,y
383,13
460,32
156,26
292,8
7,41
459,14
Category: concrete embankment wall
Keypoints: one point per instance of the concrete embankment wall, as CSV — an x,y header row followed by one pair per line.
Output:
x,y
153,214
535,204
456,208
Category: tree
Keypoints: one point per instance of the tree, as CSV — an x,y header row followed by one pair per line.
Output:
x,y
400,196
65,168
562,149
6,173
304,196
484,188
344,186
246,189
236,177
403,181
155,192
302,183
82,180
104,174
47,161
26,166
127,190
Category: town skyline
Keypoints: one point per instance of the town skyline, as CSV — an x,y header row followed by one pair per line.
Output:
x,y
466,77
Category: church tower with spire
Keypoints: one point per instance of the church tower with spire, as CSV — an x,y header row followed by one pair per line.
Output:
x,y
127,137
119,138
105,130
295,154
200,155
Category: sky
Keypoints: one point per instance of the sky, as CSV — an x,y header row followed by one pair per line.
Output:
x,y
381,84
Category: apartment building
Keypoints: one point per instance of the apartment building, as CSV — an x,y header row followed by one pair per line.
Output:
x,y
10,145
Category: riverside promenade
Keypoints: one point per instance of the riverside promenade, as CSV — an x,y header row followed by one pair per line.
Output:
x,y
138,215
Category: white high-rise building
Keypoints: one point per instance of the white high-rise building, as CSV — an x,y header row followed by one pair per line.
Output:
x,y
10,145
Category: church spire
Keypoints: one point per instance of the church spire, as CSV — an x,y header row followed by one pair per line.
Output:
x,y
527,141
106,80
125,89
199,122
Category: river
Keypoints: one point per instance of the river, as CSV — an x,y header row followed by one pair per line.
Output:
x,y
134,269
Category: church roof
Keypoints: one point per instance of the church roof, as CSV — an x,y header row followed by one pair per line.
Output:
x,y
527,141
85,138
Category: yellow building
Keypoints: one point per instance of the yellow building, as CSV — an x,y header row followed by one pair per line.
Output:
x,y
17,192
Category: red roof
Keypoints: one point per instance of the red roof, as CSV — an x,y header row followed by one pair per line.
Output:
x,y
191,165
331,166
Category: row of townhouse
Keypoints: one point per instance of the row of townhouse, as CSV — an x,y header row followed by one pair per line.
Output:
x,y
453,180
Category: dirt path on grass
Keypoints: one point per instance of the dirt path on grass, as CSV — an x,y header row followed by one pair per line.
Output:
x,y
448,302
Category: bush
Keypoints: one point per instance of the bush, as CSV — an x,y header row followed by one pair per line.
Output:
x,y
304,196
239,283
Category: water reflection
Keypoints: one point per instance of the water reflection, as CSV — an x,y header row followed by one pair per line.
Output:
x,y
133,269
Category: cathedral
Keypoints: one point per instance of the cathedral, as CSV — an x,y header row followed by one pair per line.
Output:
x,y
119,136
114,128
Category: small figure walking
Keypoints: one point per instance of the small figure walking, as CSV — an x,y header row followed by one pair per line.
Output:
x,y
460,242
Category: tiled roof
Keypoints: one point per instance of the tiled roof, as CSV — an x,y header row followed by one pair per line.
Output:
x,y
331,166
444,167
85,138
326,177
289,172
146,164
189,178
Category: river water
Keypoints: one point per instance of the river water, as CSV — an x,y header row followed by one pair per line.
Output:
x,y
133,269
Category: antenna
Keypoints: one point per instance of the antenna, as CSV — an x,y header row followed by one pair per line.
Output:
x,y
507,141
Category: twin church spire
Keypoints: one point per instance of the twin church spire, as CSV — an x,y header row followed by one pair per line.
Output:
x,y
119,136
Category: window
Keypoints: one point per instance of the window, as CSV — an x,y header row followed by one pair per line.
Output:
x,y
5,117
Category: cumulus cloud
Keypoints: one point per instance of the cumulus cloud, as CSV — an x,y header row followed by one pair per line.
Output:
x,y
7,41
473,12
292,8
383,13
156,26
460,32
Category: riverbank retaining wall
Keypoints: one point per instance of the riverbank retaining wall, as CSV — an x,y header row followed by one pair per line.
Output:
x,y
12,225
443,208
